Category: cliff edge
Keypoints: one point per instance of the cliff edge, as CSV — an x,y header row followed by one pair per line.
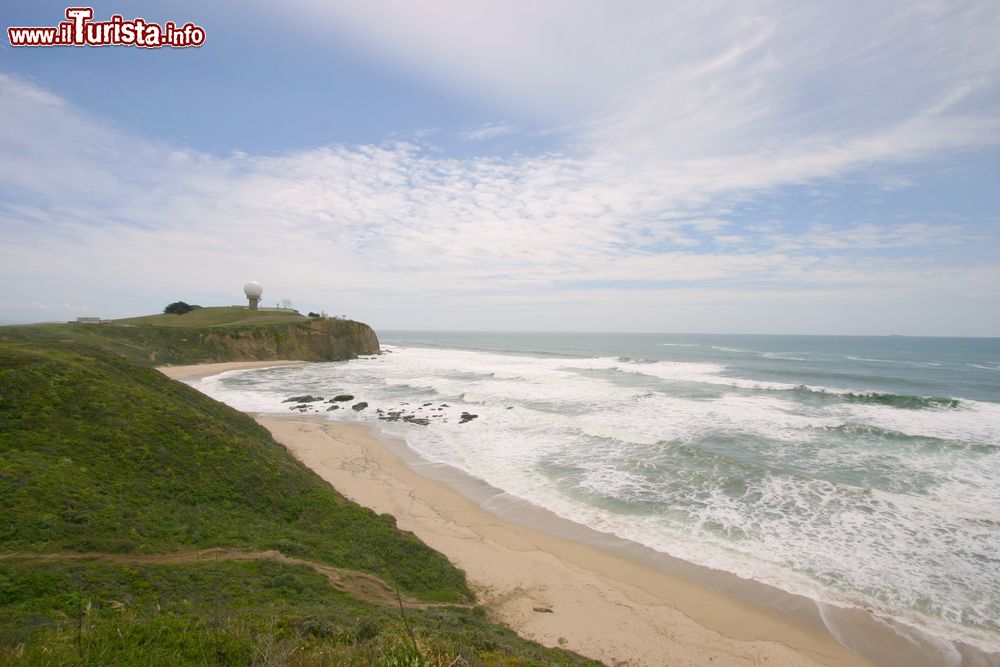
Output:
x,y
317,339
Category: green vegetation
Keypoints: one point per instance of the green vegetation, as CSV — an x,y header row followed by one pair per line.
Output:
x,y
179,308
100,455
214,317
128,460
232,614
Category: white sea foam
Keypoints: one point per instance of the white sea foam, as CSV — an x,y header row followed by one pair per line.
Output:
x,y
974,421
987,368
898,362
785,356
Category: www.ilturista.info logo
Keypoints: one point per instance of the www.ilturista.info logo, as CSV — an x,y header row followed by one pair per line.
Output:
x,y
80,30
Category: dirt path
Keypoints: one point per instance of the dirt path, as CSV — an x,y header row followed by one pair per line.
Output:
x,y
359,585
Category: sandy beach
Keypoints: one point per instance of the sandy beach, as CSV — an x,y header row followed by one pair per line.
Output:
x,y
196,371
549,589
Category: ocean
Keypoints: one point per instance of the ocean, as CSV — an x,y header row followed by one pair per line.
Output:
x,y
857,471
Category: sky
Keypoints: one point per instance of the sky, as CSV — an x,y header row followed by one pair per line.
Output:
x,y
566,165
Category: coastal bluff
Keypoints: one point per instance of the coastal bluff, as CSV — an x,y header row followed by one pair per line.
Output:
x,y
209,335
315,340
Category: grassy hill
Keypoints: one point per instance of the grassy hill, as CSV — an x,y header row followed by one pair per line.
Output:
x,y
212,334
114,481
213,317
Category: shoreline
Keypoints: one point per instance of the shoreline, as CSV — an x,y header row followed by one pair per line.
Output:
x,y
609,598
550,589
198,371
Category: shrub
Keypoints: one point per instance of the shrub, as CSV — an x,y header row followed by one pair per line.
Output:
x,y
179,308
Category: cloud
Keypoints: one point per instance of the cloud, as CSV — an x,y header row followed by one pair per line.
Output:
x,y
44,307
692,78
488,131
680,116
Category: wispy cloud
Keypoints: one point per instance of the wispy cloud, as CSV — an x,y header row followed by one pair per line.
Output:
x,y
692,78
488,131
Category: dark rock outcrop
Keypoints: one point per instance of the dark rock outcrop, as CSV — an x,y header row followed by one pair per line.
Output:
x,y
303,399
416,420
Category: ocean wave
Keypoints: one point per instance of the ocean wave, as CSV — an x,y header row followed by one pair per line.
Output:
x,y
987,368
903,401
783,356
404,344
409,385
892,435
712,374
898,362
757,524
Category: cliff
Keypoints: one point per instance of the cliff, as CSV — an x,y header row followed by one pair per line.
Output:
x,y
161,340
313,340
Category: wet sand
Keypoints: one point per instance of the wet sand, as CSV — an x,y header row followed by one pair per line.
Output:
x,y
198,371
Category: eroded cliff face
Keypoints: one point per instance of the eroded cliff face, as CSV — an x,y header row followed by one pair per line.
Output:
x,y
312,340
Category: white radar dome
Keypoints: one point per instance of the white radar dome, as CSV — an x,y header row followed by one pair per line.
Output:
x,y
253,288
